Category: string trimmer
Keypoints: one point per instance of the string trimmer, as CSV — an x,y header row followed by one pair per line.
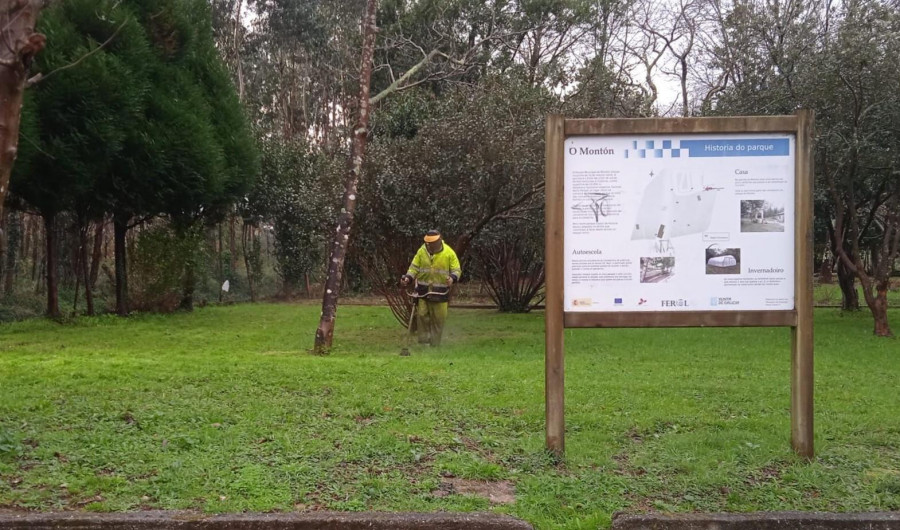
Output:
x,y
411,326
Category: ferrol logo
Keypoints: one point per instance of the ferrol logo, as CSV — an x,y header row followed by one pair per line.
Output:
x,y
592,151
681,302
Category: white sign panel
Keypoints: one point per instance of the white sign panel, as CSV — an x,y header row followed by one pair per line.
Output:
x,y
679,222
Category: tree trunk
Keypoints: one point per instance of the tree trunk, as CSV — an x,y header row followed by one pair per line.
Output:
x,y
4,243
35,250
849,294
27,240
879,308
52,279
221,273
77,266
20,44
86,273
188,286
14,237
247,241
232,246
825,274
325,331
42,281
120,224
24,224
97,253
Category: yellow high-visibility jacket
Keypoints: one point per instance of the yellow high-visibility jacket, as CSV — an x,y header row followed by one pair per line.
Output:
x,y
430,271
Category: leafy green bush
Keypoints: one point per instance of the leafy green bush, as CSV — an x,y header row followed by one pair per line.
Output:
x,y
166,266
21,306
293,194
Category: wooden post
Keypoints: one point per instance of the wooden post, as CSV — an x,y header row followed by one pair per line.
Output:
x,y
554,360
802,333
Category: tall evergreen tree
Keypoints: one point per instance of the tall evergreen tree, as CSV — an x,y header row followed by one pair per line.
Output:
x,y
139,118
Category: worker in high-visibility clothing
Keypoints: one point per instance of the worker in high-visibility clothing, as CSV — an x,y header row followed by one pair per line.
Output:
x,y
434,269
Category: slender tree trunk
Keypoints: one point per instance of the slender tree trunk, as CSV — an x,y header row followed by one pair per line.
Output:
x,y
325,331
189,278
825,275
97,253
26,239
685,105
221,270
4,243
188,286
85,272
120,224
77,266
232,246
875,294
879,308
849,294
236,46
52,276
42,278
247,241
14,237
35,249
20,44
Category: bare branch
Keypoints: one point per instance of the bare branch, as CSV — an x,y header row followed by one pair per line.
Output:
x,y
40,77
398,83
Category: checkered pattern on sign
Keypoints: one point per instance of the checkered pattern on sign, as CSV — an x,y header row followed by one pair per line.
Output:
x,y
654,149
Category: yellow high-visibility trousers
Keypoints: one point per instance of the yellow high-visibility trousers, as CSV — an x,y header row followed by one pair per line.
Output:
x,y
431,317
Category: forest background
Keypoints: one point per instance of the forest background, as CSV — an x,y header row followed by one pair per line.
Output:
x,y
167,147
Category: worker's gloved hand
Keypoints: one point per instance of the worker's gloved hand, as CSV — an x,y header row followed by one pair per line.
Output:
x,y
449,281
404,281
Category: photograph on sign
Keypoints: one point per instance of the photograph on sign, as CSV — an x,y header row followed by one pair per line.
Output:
x,y
679,222
762,216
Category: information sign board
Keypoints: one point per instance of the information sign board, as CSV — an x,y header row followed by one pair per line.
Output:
x,y
679,222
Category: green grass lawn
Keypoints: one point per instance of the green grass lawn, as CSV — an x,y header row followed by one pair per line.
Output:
x,y
830,295
222,410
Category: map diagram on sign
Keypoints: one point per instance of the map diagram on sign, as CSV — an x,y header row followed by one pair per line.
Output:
x,y
674,203
597,203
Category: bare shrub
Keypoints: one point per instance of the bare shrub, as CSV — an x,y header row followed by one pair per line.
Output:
x,y
513,273
382,271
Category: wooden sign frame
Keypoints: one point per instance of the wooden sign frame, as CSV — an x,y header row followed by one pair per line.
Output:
x,y
800,319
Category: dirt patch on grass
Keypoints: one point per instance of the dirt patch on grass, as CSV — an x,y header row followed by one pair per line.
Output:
x,y
624,466
497,492
635,435
770,473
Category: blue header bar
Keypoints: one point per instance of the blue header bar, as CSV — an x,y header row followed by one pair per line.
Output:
x,y
742,147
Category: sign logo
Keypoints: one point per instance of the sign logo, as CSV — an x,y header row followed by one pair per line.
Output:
x,y
723,300
641,301
617,301
582,302
681,302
